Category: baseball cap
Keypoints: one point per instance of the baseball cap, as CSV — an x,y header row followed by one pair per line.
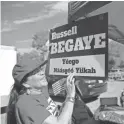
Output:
x,y
26,65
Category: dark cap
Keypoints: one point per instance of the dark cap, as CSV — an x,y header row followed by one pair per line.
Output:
x,y
26,65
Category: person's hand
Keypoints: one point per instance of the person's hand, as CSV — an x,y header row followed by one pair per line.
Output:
x,y
70,86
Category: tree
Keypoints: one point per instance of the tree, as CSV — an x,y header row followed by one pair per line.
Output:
x,y
111,63
39,43
19,56
40,39
32,54
121,64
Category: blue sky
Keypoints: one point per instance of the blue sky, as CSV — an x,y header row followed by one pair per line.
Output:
x,y
20,20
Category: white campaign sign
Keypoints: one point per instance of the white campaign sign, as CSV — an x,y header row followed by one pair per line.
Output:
x,y
91,65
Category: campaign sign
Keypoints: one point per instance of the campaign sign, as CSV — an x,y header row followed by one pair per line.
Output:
x,y
80,47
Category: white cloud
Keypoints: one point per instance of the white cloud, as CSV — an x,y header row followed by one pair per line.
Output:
x,y
23,21
35,18
24,41
28,20
24,50
7,29
17,5
6,22
54,9
61,6
34,1
6,26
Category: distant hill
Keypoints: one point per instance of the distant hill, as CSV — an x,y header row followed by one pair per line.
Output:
x,y
116,51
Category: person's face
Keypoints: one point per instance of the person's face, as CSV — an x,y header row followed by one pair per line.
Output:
x,y
38,80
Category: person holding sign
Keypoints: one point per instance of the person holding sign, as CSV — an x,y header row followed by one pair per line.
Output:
x,y
29,99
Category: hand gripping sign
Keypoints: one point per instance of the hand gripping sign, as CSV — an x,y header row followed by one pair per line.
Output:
x,y
81,48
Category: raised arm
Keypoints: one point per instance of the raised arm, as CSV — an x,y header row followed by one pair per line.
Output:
x,y
67,110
